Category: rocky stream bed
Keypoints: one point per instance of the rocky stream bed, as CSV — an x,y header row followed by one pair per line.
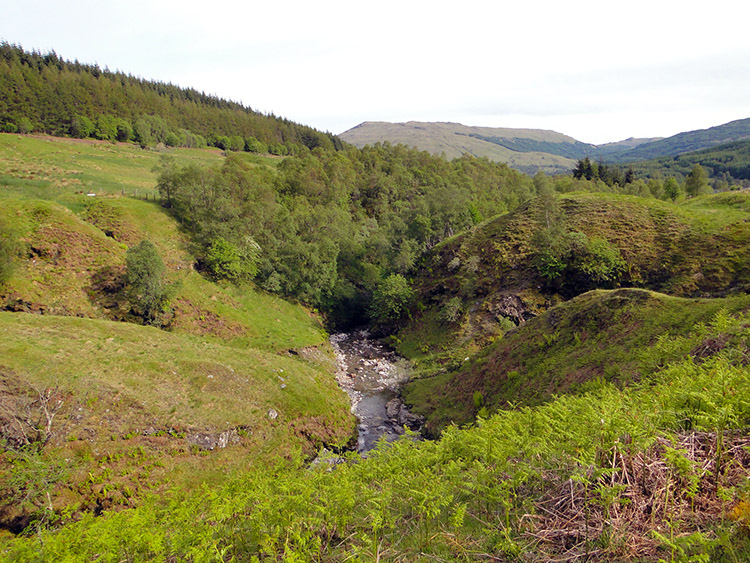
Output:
x,y
372,375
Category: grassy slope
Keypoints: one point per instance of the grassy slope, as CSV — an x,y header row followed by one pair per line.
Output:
x,y
218,368
695,249
601,336
698,249
60,166
481,491
653,472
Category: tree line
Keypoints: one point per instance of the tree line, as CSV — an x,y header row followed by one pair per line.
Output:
x,y
47,94
329,227
611,177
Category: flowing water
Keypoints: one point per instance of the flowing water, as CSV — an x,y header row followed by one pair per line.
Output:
x,y
372,376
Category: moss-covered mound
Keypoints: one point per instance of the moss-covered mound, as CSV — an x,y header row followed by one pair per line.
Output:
x,y
612,336
477,285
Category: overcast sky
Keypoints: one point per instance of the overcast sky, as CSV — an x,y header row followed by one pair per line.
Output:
x,y
598,71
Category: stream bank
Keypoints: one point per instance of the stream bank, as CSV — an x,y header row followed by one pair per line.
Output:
x,y
372,376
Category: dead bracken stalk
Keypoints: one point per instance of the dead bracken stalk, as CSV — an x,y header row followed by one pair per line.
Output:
x,y
25,420
612,514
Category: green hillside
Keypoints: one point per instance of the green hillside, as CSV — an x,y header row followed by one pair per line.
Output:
x,y
655,472
603,336
475,286
688,141
166,379
136,409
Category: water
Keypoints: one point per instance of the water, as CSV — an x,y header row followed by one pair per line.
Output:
x,y
372,376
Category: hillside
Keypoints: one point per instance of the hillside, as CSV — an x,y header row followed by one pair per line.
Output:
x,y
603,336
235,377
44,93
474,288
724,162
688,141
527,150
530,150
161,401
648,473
498,269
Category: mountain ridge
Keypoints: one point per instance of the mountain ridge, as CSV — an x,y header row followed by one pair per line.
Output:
x,y
531,150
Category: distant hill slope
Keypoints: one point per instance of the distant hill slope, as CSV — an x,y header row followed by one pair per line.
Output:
x,y
722,161
527,150
687,142
530,150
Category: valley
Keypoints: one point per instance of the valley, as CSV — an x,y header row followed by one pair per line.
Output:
x,y
198,300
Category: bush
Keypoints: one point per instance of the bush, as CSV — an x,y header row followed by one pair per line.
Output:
x,y
254,145
225,260
81,127
552,252
598,260
236,143
144,277
453,310
574,259
391,299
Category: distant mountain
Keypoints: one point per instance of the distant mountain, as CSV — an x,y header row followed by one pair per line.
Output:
x,y
524,149
530,150
527,150
687,142
623,146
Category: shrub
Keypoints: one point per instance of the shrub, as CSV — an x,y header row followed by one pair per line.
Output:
x,y
144,277
576,259
391,299
552,252
81,127
452,310
599,260
225,260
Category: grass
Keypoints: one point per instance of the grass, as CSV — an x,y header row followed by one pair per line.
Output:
x,y
126,387
140,405
178,379
654,472
61,166
58,168
600,337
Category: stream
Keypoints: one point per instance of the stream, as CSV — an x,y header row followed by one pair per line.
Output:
x,y
372,376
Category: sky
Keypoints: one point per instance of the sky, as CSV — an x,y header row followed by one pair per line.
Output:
x,y
597,71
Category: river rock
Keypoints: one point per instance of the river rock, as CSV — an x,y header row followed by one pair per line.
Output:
x,y
398,414
392,409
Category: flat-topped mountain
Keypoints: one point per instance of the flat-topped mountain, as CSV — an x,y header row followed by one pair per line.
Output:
x,y
530,150
527,150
